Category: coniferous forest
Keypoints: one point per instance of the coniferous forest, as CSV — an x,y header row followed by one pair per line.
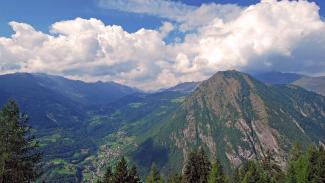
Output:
x,y
303,167
21,162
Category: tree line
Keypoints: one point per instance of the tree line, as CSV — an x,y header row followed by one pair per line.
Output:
x,y
20,162
303,167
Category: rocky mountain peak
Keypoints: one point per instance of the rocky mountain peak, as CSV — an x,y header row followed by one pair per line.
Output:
x,y
225,90
236,118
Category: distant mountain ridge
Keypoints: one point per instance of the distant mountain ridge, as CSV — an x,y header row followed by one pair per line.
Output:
x,y
278,77
37,93
186,87
96,92
315,84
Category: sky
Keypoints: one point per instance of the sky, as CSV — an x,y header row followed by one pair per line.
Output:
x,y
152,44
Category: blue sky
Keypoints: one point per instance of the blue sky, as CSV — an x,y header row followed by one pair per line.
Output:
x,y
42,13
153,44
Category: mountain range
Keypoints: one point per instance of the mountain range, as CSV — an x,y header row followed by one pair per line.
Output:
x,y
315,84
234,116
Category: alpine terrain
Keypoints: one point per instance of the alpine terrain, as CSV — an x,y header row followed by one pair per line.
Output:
x,y
236,118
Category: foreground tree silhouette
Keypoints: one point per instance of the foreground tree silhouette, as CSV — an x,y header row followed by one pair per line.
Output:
x,y
122,174
133,176
317,166
108,176
174,178
299,166
250,172
19,159
197,167
154,175
216,174
306,167
121,171
270,169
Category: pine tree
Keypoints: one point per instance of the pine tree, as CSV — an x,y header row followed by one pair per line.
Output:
x,y
154,175
270,170
316,173
175,178
294,155
20,161
190,173
250,172
108,176
237,176
121,172
216,174
133,176
298,165
197,167
295,152
204,166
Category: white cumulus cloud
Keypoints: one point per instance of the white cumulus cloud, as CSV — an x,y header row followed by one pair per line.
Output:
x,y
271,35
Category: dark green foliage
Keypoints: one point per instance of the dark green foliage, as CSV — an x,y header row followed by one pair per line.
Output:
x,y
174,178
298,166
19,158
191,170
133,176
303,167
271,171
154,176
306,167
121,171
317,167
122,174
292,167
216,174
250,172
264,171
108,177
197,167
204,165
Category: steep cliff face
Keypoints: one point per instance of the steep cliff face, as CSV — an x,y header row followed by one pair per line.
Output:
x,y
236,118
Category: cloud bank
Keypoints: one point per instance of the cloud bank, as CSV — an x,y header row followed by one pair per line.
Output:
x,y
286,36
